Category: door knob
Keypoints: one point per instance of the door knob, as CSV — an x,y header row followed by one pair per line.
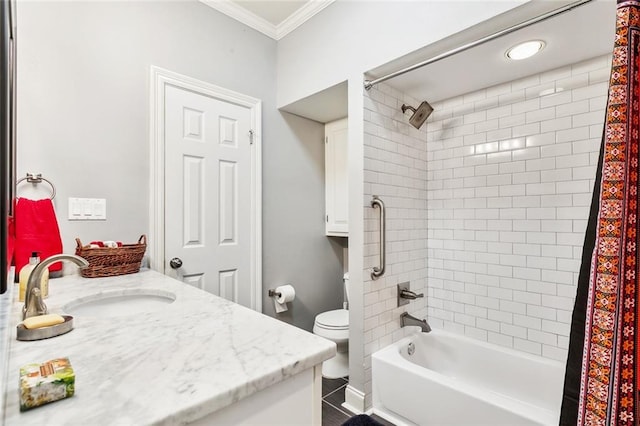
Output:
x,y
175,263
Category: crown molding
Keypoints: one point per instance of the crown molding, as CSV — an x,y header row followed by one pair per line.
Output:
x,y
258,23
241,14
300,16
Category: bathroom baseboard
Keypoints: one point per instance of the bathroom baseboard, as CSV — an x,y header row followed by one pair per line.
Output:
x,y
353,400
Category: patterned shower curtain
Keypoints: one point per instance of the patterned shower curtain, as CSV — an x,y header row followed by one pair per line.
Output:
x,y
602,380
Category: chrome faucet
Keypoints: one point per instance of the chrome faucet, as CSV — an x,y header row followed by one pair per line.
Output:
x,y
33,303
406,319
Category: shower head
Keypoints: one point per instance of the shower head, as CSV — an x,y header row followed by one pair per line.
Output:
x,y
420,114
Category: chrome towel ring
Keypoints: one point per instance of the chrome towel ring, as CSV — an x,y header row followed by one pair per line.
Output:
x,y
36,179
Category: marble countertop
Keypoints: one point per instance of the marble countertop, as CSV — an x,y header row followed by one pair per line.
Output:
x,y
5,335
173,366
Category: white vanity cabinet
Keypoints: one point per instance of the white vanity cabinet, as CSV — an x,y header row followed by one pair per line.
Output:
x,y
292,402
336,178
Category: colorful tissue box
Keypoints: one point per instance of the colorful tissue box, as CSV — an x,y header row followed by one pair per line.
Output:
x,y
46,382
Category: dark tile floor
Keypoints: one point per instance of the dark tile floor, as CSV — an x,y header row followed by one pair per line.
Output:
x,y
332,398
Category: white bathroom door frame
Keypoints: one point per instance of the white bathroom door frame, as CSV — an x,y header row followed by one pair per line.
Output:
x,y
159,80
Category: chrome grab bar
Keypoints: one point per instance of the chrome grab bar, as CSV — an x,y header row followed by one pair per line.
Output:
x,y
379,271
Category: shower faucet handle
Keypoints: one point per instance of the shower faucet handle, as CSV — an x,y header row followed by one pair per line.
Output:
x,y
405,294
408,294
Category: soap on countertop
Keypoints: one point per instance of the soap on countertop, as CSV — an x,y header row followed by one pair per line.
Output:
x,y
42,321
46,382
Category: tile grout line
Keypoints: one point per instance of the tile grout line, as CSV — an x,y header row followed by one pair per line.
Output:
x,y
334,391
342,383
341,379
336,408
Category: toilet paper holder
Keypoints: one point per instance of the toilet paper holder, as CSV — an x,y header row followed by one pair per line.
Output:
x,y
273,293
282,295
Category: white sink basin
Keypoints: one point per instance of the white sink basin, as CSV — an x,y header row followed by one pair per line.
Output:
x,y
120,303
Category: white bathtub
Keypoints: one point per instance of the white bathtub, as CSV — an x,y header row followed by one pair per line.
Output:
x,y
454,380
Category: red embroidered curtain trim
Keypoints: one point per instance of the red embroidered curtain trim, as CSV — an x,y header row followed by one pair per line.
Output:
x,y
609,382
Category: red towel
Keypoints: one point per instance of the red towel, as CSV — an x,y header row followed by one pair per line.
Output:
x,y
36,229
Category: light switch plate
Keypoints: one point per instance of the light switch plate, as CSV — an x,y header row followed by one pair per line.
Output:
x,y
87,208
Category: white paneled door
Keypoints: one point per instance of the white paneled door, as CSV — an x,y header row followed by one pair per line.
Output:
x,y
208,193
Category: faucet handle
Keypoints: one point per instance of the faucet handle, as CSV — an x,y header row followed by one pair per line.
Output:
x,y
405,294
408,294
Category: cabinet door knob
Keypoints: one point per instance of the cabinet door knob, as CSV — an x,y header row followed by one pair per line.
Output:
x,y
175,263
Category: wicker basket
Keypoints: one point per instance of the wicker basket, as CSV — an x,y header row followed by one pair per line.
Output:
x,y
109,262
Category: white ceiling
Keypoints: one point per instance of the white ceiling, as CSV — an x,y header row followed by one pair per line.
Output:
x,y
581,33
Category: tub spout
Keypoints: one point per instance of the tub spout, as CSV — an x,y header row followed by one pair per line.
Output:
x,y
406,319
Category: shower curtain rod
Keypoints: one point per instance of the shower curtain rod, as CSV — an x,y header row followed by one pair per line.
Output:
x,y
368,84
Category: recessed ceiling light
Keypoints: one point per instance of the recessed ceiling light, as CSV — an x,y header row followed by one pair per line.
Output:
x,y
525,50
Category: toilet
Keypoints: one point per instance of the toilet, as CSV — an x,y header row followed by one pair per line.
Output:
x,y
334,325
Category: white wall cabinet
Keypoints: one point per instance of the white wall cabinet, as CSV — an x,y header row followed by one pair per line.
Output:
x,y
336,178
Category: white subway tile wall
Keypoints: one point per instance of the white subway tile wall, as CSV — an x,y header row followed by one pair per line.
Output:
x,y
510,173
487,206
395,169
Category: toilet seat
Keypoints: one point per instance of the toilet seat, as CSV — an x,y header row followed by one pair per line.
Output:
x,y
333,320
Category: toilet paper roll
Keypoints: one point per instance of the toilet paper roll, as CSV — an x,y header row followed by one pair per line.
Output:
x,y
287,294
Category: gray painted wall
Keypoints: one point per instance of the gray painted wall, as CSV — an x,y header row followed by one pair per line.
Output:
x,y
295,250
83,123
